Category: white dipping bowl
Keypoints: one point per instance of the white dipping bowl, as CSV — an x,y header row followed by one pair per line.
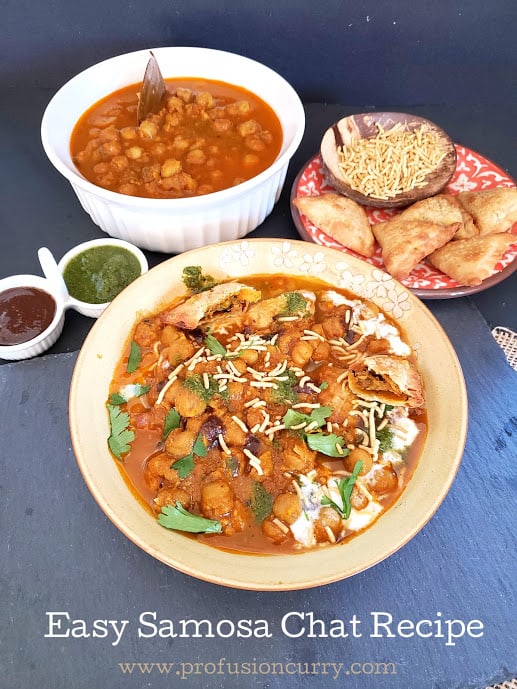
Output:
x,y
86,308
175,225
39,344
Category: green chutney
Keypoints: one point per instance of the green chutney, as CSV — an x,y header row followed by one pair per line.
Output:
x,y
97,275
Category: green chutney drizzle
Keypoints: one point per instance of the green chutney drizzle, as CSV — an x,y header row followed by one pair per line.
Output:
x,y
97,275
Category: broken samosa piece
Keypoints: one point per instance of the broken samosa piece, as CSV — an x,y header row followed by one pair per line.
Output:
x,y
470,261
194,310
405,243
341,218
493,210
387,379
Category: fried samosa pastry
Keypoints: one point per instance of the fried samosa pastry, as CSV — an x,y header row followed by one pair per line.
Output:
x,y
468,227
439,209
191,312
341,218
470,261
387,379
493,210
405,243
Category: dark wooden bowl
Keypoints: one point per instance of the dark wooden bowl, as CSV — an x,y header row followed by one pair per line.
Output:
x,y
363,126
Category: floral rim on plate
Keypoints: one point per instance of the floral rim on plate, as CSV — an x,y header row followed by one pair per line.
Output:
x,y
473,173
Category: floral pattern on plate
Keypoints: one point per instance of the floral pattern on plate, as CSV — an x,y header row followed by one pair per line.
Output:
x,y
473,173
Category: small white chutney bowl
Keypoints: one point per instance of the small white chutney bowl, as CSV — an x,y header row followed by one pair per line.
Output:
x,y
85,308
39,344
175,225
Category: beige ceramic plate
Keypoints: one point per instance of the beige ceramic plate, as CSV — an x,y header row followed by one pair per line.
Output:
x,y
446,402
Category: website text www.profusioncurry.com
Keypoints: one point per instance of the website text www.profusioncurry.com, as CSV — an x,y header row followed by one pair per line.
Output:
x,y
185,670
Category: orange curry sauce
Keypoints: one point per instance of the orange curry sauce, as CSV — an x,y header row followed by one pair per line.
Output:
x,y
208,136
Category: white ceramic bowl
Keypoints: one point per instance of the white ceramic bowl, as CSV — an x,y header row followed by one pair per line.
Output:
x,y
175,225
39,344
95,310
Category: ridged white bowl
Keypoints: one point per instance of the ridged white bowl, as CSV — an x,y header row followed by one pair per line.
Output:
x,y
175,225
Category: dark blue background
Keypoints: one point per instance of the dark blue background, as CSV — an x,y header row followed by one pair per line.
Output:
x,y
347,51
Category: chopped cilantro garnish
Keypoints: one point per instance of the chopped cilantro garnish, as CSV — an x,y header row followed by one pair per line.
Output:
x,y
196,385
385,438
135,356
296,304
120,438
194,279
345,487
261,502
285,391
176,517
172,421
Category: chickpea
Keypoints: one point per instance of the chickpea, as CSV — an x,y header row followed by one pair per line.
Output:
x,y
101,168
151,172
188,403
128,133
217,499
249,356
358,499
158,469
158,149
255,143
170,167
221,124
174,104
120,162
184,94
241,107
328,518
205,99
148,129
249,127
135,152
250,159
170,496
358,454
301,353
179,443
205,189
181,143
275,533
287,507
110,149
196,157
383,479
129,189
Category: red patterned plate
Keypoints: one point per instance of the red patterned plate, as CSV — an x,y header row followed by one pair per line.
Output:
x,y
473,173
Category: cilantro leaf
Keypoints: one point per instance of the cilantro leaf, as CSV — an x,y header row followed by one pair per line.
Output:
x,y
345,487
216,348
120,438
318,415
135,357
172,421
285,391
385,438
117,398
326,444
184,465
176,517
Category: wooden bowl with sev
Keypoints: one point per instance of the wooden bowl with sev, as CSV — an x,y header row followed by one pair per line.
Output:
x,y
387,159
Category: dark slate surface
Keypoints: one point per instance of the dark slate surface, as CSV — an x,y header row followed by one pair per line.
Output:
x,y
60,553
